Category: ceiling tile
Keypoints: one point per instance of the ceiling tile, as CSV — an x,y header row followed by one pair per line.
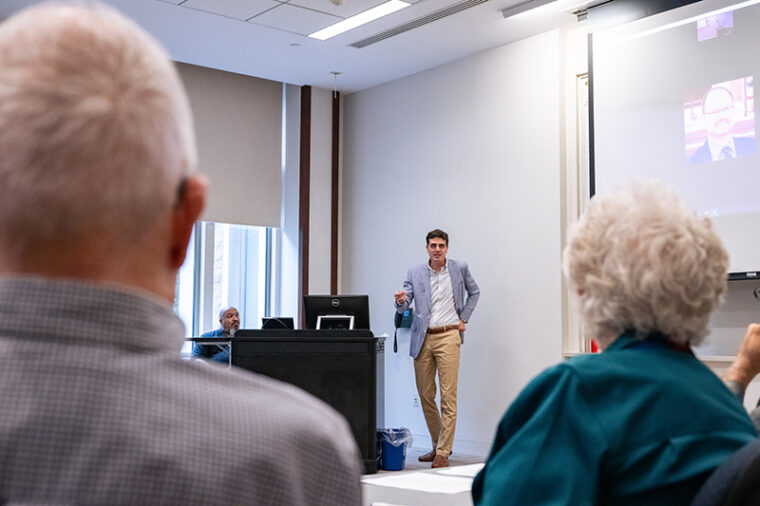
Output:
x,y
238,9
295,19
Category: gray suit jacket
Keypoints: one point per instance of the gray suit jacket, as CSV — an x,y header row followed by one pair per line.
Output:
x,y
417,286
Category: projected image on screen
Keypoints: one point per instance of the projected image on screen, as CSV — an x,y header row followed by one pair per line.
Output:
x,y
719,122
719,25
669,106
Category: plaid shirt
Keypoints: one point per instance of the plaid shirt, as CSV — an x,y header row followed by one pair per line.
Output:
x,y
97,407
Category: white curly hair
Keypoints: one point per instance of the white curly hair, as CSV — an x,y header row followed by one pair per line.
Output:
x,y
640,259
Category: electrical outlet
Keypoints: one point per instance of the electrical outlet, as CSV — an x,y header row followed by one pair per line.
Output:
x,y
415,401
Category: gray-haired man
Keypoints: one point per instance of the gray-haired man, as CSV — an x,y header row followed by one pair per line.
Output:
x,y
229,322
97,204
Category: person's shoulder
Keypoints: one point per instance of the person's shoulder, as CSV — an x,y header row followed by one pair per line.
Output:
x,y
458,264
580,368
701,155
241,381
297,419
546,385
744,145
418,268
249,394
268,426
585,375
562,369
211,333
623,363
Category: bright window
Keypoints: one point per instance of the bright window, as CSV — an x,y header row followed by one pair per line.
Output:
x,y
226,265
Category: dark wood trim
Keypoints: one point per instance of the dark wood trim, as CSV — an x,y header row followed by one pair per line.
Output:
x,y
335,193
304,187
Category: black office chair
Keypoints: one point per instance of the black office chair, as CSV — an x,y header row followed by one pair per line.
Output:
x,y
736,482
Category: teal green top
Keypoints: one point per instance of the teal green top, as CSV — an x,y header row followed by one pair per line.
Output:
x,y
637,424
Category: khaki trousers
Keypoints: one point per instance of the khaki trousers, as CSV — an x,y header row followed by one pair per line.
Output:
x,y
440,352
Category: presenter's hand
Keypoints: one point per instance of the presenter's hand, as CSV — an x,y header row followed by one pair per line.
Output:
x,y
400,297
747,363
462,326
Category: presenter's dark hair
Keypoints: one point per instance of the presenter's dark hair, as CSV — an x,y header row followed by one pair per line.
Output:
x,y
437,233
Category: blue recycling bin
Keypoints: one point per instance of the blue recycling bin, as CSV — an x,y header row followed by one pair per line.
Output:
x,y
393,447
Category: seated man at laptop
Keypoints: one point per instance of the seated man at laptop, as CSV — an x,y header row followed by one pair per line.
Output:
x,y
229,319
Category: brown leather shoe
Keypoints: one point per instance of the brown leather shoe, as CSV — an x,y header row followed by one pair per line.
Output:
x,y
440,461
428,457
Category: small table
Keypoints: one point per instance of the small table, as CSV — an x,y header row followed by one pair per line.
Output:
x,y
220,342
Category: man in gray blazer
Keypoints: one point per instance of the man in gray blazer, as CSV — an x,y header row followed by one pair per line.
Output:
x,y
445,294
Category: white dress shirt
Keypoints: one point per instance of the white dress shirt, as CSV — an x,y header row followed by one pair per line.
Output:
x,y
442,310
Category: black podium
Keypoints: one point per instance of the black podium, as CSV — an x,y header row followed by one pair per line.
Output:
x,y
338,366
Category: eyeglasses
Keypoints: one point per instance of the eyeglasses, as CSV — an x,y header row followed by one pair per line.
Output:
x,y
718,111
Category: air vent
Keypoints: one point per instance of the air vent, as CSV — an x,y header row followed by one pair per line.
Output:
x,y
416,23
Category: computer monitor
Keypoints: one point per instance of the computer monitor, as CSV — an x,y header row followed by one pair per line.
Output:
x,y
335,321
356,306
280,322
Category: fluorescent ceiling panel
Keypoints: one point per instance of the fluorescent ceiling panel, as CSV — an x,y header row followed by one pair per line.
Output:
x,y
360,19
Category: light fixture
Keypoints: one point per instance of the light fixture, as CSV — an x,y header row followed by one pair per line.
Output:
x,y
523,7
335,75
360,19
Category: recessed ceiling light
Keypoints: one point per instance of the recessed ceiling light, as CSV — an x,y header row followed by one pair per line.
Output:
x,y
360,19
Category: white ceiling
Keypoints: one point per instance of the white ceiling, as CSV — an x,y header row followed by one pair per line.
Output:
x,y
268,38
